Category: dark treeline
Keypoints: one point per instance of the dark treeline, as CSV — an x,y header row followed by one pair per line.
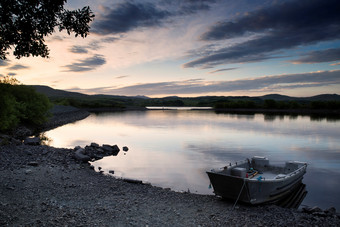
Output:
x,y
273,104
274,101
211,101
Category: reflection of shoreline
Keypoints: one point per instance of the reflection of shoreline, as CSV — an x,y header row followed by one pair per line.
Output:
x,y
270,114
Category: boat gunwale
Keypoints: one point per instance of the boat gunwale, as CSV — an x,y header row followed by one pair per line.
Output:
x,y
253,180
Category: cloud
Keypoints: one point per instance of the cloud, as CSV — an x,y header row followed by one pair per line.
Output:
x,y
11,74
279,27
18,67
199,86
222,70
87,64
187,7
129,16
328,55
121,77
78,49
4,62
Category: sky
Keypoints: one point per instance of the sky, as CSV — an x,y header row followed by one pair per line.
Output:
x,y
193,48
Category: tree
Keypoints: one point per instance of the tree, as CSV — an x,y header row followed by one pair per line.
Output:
x,y
25,23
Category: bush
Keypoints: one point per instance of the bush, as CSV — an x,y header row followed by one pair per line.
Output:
x,y
21,104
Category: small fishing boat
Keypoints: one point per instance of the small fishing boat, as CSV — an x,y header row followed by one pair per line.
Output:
x,y
256,181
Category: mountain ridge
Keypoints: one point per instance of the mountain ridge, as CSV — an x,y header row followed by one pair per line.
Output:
x,y
57,93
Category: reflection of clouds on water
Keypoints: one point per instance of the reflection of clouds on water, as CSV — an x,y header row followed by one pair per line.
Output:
x,y
175,148
315,156
198,120
223,154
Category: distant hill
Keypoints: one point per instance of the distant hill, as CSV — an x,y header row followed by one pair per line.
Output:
x,y
325,97
322,97
270,101
277,97
56,93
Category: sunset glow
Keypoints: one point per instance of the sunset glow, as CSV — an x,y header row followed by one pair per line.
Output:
x,y
194,48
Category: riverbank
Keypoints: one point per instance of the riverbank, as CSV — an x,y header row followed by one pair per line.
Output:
x,y
45,186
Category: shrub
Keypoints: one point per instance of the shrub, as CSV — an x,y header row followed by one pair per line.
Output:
x,y
21,104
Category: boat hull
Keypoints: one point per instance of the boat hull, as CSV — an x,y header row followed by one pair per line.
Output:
x,y
251,190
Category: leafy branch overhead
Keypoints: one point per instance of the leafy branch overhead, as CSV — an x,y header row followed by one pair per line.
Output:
x,y
25,23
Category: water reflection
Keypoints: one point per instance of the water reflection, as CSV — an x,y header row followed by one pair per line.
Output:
x,y
173,149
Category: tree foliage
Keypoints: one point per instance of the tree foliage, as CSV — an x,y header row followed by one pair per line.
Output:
x,y
25,23
21,104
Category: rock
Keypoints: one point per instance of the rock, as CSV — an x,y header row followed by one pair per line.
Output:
x,y
115,149
78,155
133,181
125,148
77,148
107,148
311,210
32,141
330,211
81,150
112,150
32,163
28,171
315,209
95,145
112,171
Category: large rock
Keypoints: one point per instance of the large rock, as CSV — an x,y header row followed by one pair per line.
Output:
x,y
80,156
112,150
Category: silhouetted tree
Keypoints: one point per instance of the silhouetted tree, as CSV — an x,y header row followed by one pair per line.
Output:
x,y
25,23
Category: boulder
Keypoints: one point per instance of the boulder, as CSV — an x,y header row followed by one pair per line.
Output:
x,y
94,145
111,150
107,148
115,150
80,156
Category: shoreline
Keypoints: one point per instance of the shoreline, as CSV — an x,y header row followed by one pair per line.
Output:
x,y
43,185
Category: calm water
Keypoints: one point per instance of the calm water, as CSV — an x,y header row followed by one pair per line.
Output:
x,y
173,149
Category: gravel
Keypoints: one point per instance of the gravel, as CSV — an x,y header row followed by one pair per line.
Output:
x,y
46,186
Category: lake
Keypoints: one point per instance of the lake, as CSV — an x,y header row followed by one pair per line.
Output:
x,y
174,148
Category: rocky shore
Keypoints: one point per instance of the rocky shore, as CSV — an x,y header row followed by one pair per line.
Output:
x,y
46,186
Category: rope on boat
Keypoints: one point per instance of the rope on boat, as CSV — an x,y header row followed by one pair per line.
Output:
x,y
239,194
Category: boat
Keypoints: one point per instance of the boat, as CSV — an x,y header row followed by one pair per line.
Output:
x,y
256,181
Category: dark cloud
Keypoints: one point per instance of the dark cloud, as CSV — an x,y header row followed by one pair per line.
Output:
x,y
87,64
122,77
18,67
222,70
4,62
128,16
56,38
11,74
79,49
187,7
328,55
267,83
279,27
